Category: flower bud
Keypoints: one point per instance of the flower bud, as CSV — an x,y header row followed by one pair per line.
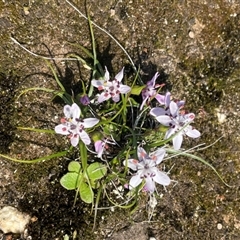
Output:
x,y
84,100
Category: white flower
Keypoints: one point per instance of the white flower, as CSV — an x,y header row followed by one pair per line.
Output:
x,y
177,121
146,167
111,89
73,126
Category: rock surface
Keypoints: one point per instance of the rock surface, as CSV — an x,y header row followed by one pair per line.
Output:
x,y
195,47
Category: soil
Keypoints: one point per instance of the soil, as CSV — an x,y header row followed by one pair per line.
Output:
x,y
195,47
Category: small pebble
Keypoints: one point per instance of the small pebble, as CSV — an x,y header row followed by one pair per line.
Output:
x,y
219,226
12,220
191,34
221,117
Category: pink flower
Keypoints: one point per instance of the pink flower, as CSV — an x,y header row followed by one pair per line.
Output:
x,y
102,145
99,147
111,89
149,92
146,167
73,126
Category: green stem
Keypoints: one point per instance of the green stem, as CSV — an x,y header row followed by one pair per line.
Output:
x,y
83,153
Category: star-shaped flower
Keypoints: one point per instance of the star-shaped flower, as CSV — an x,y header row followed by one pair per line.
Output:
x,y
111,89
178,122
74,126
146,167
150,92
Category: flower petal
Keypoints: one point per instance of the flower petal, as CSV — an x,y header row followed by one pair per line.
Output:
x,y
99,147
131,163
103,97
90,122
151,83
62,129
97,83
157,111
162,178
141,154
160,98
192,133
173,108
75,110
124,88
189,117
67,111
106,75
143,102
135,181
84,137
180,103
119,76
167,99
169,133
75,140
164,120
149,185
84,100
116,98
177,141
158,155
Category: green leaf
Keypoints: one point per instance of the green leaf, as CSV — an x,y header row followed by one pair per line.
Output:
x,y
54,155
96,171
69,180
35,89
136,90
96,136
110,129
179,152
74,167
37,130
55,75
94,183
86,192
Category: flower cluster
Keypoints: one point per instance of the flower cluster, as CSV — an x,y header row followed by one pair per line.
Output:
x,y
169,113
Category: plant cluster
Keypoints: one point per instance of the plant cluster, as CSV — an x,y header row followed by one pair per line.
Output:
x,y
120,124
123,130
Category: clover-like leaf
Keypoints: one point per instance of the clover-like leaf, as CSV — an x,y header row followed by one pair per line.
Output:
x,y
86,192
70,180
74,166
96,171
